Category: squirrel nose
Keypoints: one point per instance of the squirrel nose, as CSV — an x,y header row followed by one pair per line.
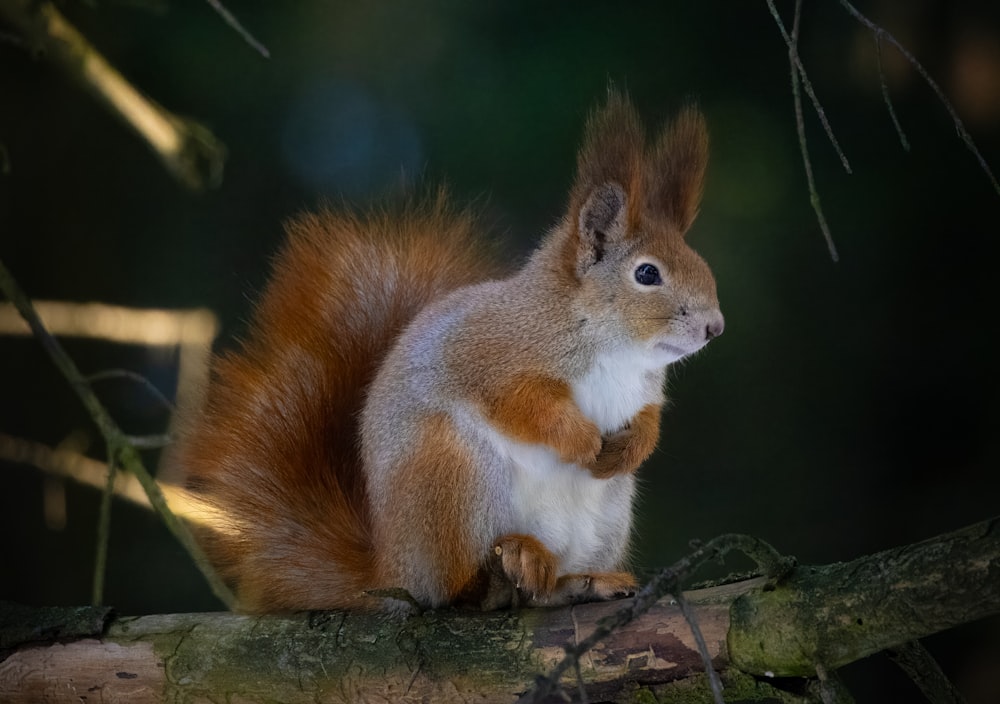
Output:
x,y
715,327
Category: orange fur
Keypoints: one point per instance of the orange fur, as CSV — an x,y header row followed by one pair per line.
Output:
x,y
275,448
341,446
540,410
675,175
528,564
432,488
624,451
664,186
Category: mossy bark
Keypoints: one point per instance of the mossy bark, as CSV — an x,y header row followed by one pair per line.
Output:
x,y
757,632
334,656
836,614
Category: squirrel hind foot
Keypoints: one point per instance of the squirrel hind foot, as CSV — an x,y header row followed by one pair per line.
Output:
x,y
531,569
528,564
582,588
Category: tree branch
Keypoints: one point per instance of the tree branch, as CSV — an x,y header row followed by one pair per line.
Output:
x,y
963,133
798,67
441,656
190,152
812,622
120,451
913,659
230,19
103,534
669,580
800,126
835,615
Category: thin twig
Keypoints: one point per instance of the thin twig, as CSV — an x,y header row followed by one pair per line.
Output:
x,y
797,63
829,688
119,450
68,464
699,639
667,581
959,125
800,126
136,377
13,40
885,93
156,7
231,20
581,688
103,534
149,442
923,669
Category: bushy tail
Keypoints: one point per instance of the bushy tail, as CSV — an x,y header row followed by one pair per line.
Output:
x,y
275,450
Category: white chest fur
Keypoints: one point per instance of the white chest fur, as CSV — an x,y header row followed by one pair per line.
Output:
x,y
617,386
583,520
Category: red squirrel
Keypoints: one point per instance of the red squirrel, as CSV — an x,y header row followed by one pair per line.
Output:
x,y
399,420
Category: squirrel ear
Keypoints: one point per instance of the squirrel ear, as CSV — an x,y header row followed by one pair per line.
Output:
x,y
605,197
677,170
602,218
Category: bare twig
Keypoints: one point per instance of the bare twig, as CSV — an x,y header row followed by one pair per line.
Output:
x,y
149,442
188,150
157,7
69,464
119,449
581,686
12,39
136,377
885,93
713,677
793,53
231,20
880,32
829,688
923,669
103,534
800,126
668,581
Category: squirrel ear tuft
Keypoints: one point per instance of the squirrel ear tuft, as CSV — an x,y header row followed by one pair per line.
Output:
x,y
612,153
677,170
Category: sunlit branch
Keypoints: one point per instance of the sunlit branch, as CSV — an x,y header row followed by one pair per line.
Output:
x,y
188,150
119,449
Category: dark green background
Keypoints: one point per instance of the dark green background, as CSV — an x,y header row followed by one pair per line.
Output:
x,y
849,407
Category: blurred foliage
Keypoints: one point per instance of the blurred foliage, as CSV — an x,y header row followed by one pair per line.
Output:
x,y
849,407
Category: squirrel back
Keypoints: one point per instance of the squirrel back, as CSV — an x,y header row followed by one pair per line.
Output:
x,y
274,453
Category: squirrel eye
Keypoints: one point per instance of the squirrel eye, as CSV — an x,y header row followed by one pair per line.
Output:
x,y
648,275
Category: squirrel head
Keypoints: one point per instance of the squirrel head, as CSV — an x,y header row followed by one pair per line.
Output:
x,y
624,250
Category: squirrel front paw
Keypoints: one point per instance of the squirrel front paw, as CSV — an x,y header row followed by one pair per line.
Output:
x,y
615,456
576,439
624,451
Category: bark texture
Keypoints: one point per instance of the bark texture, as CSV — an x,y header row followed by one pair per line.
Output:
x,y
766,639
337,657
836,614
